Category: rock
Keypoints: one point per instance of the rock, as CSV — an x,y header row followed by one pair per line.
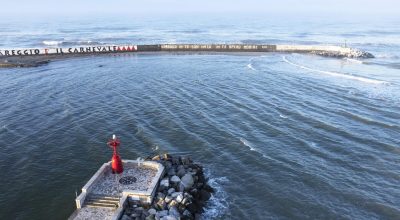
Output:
x,y
194,192
150,217
171,172
162,213
181,172
169,217
187,181
172,203
187,215
152,211
192,207
181,187
205,195
161,204
168,199
125,217
175,161
173,211
156,157
181,208
179,198
160,195
175,179
185,201
175,194
166,157
197,216
168,165
139,210
208,188
170,191
186,160
164,184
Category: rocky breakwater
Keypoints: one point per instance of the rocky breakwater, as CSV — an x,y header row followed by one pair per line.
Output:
x,y
326,51
181,194
348,52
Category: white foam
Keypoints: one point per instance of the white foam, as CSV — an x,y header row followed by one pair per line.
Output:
x,y
251,147
283,116
52,42
250,66
336,74
354,60
218,203
388,56
155,148
247,144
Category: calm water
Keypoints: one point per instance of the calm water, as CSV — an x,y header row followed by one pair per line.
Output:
x,y
282,136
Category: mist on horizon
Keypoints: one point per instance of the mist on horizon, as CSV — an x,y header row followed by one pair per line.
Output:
x,y
362,8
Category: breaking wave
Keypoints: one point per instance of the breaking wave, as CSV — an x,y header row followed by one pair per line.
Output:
x,y
218,203
354,60
250,146
250,66
336,74
70,43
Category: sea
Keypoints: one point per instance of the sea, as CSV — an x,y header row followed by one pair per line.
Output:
x,y
280,136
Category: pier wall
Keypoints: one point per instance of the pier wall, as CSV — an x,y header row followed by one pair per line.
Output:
x,y
40,56
176,47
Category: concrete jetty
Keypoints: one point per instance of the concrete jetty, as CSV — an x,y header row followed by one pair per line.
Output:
x,y
162,187
40,56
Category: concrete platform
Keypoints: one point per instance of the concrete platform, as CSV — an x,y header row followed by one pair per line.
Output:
x,y
105,194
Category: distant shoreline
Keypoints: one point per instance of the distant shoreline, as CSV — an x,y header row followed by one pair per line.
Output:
x,y
37,57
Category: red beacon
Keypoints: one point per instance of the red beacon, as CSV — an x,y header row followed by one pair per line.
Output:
x,y
116,163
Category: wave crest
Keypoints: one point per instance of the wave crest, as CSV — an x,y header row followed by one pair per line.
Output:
x,y
70,43
336,74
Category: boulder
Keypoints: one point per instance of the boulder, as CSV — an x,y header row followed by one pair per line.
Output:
x,y
181,172
160,195
175,160
171,171
156,157
187,215
170,191
175,194
175,179
168,165
168,199
187,181
205,195
192,208
172,203
164,183
138,211
162,213
181,187
125,217
161,204
173,211
152,211
208,188
179,198
169,217
151,217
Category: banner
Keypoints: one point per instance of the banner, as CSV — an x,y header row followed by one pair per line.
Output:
x,y
70,50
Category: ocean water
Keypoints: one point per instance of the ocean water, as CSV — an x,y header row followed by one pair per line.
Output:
x,y
281,136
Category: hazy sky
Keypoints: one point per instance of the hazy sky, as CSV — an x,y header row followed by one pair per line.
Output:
x,y
129,7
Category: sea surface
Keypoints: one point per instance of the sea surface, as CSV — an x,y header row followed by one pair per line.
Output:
x,y
281,136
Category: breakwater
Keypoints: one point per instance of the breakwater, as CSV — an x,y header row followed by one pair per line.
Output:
x,y
40,56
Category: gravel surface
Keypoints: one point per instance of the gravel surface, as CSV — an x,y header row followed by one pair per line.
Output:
x,y
109,184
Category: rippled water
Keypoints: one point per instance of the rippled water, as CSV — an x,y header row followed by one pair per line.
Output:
x,y
283,136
